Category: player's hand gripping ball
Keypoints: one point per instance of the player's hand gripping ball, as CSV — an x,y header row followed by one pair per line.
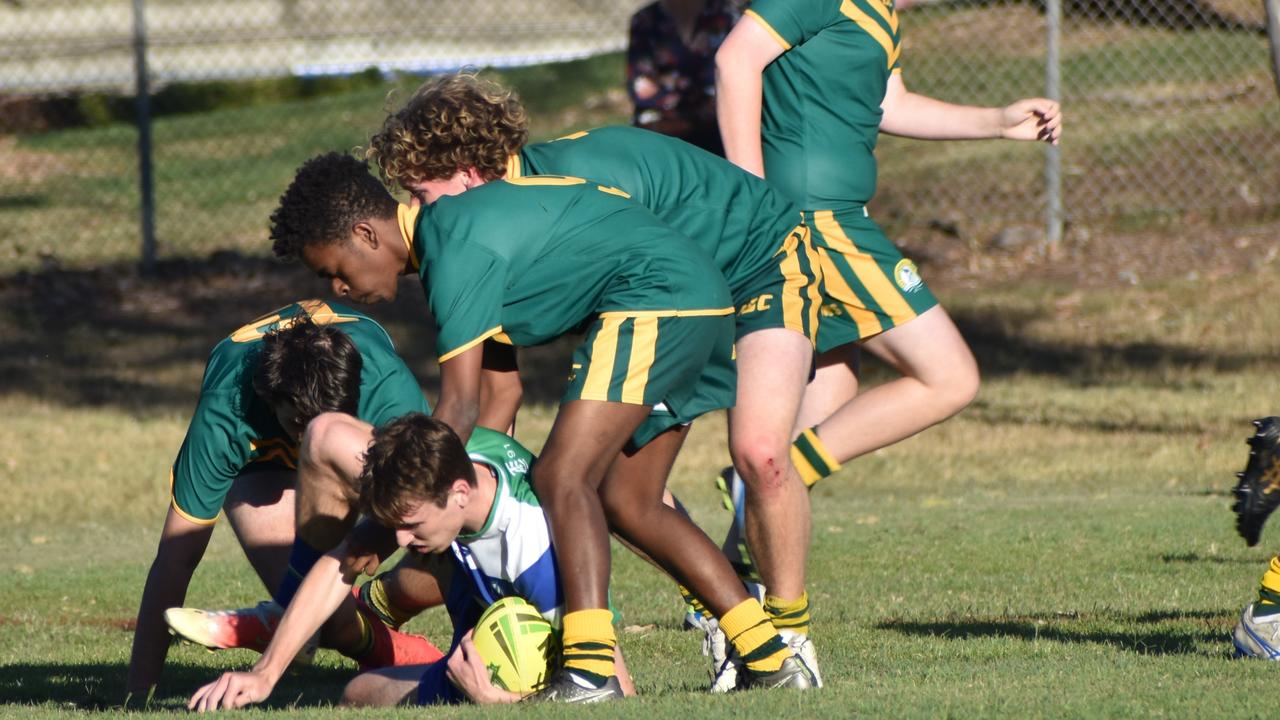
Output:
x,y
517,644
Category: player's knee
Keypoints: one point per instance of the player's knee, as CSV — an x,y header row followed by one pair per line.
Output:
x,y
762,462
961,387
622,511
362,691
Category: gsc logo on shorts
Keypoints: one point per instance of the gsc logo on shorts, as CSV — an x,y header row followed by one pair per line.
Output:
x,y
907,276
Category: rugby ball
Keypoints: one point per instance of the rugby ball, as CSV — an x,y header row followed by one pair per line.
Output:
x,y
517,644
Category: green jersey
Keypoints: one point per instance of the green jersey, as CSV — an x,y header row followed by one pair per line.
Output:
x,y
233,428
739,219
529,259
821,114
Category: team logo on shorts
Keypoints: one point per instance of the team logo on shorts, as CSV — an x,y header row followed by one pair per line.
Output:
x,y
907,276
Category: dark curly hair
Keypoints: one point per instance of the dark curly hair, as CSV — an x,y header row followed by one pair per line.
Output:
x,y
411,460
452,122
314,367
328,196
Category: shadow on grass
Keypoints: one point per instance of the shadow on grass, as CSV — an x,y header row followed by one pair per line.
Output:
x,y
1192,632
107,337
1194,557
99,686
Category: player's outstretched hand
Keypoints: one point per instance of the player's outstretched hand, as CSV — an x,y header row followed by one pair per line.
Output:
x,y
1032,119
467,671
232,690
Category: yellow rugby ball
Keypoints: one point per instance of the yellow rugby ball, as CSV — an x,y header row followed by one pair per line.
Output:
x,y
517,644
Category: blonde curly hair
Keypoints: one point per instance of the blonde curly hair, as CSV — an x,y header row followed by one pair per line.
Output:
x,y
453,122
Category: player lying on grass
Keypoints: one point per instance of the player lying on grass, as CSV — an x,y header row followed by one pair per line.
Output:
x,y
459,132
471,520
524,261
263,383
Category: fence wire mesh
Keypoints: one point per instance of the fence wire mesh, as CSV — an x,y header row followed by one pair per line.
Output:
x,y
1171,107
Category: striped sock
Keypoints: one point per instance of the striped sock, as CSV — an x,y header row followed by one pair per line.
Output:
x,y
754,637
375,597
1269,591
812,458
302,557
790,615
588,645
365,645
694,603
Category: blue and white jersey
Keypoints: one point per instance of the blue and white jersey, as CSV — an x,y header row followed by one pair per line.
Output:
x,y
511,554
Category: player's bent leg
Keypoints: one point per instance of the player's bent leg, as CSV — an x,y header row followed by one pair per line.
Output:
x,y
939,378
837,373
260,507
585,439
384,688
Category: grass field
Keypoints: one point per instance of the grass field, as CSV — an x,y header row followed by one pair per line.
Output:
x,y
1062,548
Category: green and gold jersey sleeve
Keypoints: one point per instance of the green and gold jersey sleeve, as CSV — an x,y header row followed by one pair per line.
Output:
x,y
215,450
792,22
465,292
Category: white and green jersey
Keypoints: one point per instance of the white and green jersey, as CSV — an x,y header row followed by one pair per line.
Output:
x,y
511,554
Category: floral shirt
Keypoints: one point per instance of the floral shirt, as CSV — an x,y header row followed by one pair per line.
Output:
x,y
673,84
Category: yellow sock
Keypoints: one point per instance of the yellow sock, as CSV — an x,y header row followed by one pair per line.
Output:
x,y
754,637
812,458
374,594
1269,592
588,645
789,614
366,637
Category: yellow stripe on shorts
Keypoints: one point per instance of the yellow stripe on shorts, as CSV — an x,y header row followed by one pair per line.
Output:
x,y
644,345
868,271
603,352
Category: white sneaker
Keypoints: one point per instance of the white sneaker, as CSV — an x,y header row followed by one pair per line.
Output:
x,y
1257,637
802,647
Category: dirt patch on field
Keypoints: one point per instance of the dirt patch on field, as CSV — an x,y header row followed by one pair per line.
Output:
x,y
25,166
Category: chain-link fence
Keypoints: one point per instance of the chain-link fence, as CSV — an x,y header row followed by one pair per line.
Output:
x,y
1171,108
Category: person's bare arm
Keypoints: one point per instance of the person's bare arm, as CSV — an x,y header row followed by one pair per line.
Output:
x,y
740,63
500,388
320,594
913,115
182,545
459,405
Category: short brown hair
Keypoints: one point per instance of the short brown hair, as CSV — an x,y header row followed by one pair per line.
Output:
x,y
452,122
411,460
314,367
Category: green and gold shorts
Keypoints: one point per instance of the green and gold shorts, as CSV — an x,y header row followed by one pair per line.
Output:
x,y
867,285
785,295
679,364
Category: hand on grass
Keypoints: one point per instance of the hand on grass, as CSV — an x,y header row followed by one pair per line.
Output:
x,y
232,690
1032,119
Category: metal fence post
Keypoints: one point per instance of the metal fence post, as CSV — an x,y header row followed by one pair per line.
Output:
x,y
1273,34
1053,154
143,108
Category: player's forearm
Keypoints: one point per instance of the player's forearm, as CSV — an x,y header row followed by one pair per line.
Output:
x,y
166,587
500,395
918,116
739,89
320,594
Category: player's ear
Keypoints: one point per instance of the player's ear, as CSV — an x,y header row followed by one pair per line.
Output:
x,y
471,177
364,232
462,488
